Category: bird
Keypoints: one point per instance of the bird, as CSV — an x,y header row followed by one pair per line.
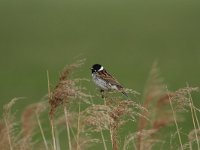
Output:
x,y
105,81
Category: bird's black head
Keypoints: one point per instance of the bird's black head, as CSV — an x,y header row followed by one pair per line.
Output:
x,y
96,68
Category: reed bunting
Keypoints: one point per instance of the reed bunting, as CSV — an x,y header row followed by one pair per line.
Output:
x,y
104,80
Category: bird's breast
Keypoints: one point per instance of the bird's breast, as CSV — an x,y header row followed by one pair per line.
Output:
x,y
100,82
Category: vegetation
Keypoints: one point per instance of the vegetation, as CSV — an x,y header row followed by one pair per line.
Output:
x,y
114,123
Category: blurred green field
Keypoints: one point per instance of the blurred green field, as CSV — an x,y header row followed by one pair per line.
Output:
x,y
125,36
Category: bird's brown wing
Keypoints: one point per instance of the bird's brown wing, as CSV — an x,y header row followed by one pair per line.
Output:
x,y
109,78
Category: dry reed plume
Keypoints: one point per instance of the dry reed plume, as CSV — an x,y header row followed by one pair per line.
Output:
x,y
66,88
115,113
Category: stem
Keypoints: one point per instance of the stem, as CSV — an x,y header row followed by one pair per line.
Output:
x,y
78,127
103,139
195,114
68,131
48,84
53,133
51,117
190,145
42,132
113,135
57,139
194,110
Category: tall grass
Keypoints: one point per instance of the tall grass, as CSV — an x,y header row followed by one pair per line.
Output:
x,y
90,125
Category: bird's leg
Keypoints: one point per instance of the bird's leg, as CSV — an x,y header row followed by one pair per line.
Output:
x,y
102,93
103,96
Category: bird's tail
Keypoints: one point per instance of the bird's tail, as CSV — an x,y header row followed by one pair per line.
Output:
x,y
125,94
121,89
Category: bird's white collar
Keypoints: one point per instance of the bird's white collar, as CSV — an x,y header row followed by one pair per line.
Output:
x,y
101,68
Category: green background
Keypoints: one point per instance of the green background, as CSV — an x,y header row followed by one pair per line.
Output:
x,y
124,36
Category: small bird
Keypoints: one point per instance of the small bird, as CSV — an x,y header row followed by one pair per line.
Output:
x,y
104,80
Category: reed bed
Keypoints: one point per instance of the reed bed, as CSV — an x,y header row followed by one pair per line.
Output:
x,y
154,123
